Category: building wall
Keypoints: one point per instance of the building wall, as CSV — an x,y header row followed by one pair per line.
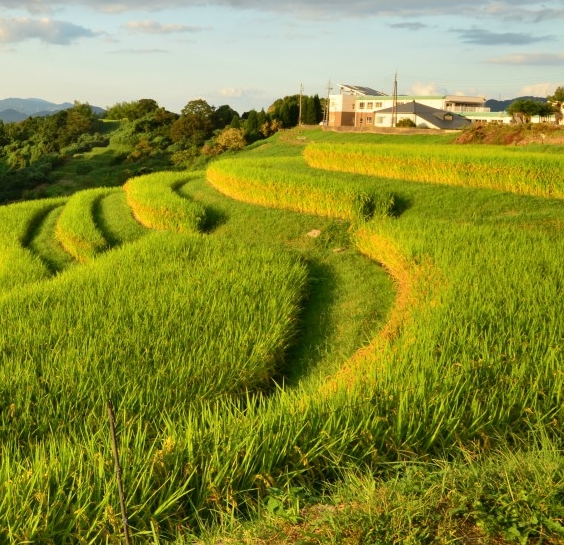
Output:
x,y
502,118
385,120
341,110
366,108
341,119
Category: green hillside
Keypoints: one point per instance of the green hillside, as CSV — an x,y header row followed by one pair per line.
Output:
x,y
323,338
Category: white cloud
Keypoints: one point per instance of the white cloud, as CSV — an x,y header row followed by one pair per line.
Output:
x,y
154,27
530,59
45,29
230,92
426,89
139,51
538,89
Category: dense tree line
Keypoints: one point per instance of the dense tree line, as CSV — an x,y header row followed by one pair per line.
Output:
x,y
523,109
31,149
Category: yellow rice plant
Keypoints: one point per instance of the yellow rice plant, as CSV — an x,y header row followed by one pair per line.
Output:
x,y
517,171
417,285
288,183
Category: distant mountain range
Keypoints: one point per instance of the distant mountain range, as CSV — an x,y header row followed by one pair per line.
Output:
x,y
18,109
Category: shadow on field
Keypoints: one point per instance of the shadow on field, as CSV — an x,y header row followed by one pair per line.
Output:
x,y
215,217
401,205
315,326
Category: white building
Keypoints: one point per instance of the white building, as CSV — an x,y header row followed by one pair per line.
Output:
x,y
356,106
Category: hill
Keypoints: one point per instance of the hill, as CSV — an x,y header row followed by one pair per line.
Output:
x,y
501,105
11,116
17,109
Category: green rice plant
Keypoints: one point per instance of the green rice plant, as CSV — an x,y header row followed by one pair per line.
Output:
x,y
510,495
530,173
286,183
432,424
186,334
213,318
44,243
116,221
156,204
339,315
77,230
18,263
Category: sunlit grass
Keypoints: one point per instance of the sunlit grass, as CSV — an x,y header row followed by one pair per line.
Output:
x,y
19,265
228,400
526,172
77,230
155,204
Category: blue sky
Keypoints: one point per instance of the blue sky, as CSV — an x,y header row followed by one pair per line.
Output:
x,y
247,53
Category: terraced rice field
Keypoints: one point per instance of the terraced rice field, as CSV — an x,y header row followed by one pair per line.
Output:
x,y
253,350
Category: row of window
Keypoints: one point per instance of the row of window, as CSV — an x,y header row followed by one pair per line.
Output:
x,y
380,120
368,120
369,105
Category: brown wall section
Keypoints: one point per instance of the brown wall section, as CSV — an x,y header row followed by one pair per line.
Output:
x,y
341,119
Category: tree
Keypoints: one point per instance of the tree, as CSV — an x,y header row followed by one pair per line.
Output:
x,y
132,110
3,135
146,106
195,124
223,116
231,139
557,101
235,122
405,123
311,110
80,120
318,109
251,127
523,109
286,110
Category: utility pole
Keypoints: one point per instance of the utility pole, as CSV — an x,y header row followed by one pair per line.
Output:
x,y
300,114
395,101
326,116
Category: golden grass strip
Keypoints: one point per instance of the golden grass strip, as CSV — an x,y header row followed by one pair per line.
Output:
x,y
289,184
417,284
518,171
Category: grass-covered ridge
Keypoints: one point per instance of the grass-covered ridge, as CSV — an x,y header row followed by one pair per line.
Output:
x,y
155,204
433,422
19,265
505,169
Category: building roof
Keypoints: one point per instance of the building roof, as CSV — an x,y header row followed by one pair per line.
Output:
x,y
442,119
358,90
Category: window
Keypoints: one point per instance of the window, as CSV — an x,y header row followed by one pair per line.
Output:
x,y
377,105
369,105
361,105
369,120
